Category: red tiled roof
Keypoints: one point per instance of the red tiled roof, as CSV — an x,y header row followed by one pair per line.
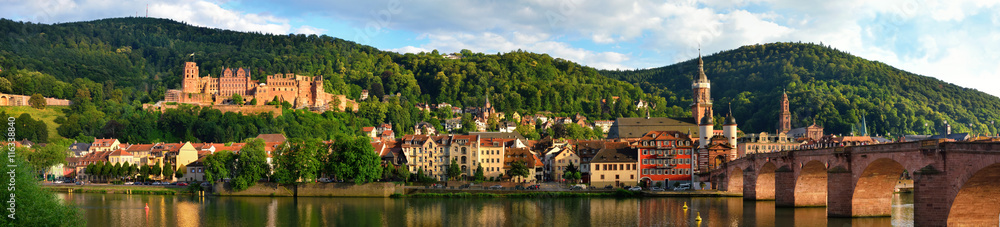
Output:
x,y
120,152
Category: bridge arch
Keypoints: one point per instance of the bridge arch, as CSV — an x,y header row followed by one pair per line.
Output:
x,y
765,182
810,187
874,188
976,203
4,101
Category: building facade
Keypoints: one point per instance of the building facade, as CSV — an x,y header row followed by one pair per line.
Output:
x,y
300,91
665,157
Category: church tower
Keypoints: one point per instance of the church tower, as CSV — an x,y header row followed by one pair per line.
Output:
x,y
702,100
785,122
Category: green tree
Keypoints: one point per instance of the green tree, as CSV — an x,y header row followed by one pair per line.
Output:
x,y
352,157
180,171
518,169
404,172
44,157
155,170
36,206
387,172
37,101
454,171
237,99
479,175
251,166
217,166
168,171
124,170
296,162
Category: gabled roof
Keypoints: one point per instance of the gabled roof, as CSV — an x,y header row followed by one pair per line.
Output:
x,y
616,152
120,152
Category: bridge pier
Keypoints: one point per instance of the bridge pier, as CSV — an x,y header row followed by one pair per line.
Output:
x,y
840,192
930,206
784,188
749,184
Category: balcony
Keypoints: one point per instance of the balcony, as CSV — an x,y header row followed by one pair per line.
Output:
x,y
665,156
666,166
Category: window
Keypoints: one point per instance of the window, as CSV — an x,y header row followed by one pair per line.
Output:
x,y
602,176
616,177
631,176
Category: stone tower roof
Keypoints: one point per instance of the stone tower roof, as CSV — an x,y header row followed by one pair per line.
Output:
x,y
701,70
707,120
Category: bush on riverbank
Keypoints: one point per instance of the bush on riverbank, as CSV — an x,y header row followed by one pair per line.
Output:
x,y
33,205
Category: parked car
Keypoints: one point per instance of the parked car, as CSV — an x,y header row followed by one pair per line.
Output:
x,y
656,189
129,183
206,184
635,189
58,182
80,183
469,185
534,187
577,187
438,186
496,187
609,187
182,184
156,183
682,187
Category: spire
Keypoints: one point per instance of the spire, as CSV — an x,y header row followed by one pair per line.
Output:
x,y
730,120
701,68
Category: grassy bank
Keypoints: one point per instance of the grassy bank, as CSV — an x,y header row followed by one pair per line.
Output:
x,y
101,189
47,115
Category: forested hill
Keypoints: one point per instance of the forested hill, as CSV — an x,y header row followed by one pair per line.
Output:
x,y
834,87
146,55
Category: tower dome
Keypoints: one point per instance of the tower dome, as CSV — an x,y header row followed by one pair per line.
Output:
x,y
730,120
707,120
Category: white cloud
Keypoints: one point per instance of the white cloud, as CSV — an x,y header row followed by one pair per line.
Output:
x,y
310,30
492,43
195,12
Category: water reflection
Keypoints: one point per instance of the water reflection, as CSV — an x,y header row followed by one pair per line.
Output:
x,y
128,210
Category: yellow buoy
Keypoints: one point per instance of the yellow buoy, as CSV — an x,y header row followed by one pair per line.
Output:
x,y
685,205
698,218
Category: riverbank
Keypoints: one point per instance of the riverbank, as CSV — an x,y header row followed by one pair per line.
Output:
x,y
117,189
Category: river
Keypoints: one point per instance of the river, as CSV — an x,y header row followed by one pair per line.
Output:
x,y
192,211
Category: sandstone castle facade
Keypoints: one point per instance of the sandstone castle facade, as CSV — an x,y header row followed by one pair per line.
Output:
x,y
300,91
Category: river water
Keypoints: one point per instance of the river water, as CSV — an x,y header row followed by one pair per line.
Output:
x,y
192,211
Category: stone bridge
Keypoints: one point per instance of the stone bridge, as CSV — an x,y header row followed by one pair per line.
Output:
x,y
955,183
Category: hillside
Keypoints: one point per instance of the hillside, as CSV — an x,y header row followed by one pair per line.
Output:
x,y
834,87
134,60
147,54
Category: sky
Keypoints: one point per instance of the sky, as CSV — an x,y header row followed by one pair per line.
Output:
x,y
957,41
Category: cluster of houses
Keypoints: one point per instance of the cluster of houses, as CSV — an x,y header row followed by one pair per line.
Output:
x,y
184,157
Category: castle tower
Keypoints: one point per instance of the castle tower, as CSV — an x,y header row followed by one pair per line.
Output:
x,y
190,81
729,130
701,88
785,122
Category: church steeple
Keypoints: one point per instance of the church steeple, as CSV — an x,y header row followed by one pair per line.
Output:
x,y
701,69
701,105
785,120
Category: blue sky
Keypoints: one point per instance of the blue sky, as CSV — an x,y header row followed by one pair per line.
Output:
x,y
953,40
